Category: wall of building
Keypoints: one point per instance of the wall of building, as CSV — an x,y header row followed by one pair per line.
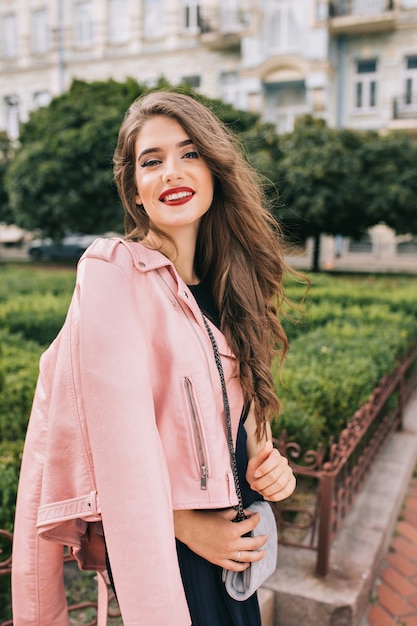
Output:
x,y
282,58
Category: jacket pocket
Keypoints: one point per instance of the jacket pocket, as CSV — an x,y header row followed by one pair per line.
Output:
x,y
197,432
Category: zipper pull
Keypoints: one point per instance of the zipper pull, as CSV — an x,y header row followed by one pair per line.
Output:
x,y
203,480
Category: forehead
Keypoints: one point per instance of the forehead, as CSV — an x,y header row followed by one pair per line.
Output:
x,y
159,132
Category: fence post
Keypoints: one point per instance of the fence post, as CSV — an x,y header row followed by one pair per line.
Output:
x,y
326,491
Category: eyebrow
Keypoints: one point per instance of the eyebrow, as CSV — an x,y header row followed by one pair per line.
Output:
x,y
181,144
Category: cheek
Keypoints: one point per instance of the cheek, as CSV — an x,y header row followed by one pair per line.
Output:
x,y
139,190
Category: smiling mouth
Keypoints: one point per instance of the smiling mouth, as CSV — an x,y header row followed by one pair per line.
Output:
x,y
177,196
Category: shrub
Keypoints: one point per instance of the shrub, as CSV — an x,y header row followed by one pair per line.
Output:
x,y
37,317
339,350
19,366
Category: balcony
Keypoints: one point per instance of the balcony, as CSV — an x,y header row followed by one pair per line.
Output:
x,y
222,28
405,107
355,17
404,114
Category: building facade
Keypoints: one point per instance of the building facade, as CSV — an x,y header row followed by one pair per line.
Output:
x,y
352,62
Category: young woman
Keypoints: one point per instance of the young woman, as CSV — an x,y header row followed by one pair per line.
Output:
x,y
127,437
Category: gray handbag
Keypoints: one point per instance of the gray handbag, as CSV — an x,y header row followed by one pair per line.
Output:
x,y
241,585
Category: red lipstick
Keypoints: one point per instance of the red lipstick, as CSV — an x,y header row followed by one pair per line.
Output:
x,y
176,195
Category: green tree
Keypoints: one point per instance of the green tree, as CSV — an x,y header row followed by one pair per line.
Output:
x,y
389,187
319,176
6,152
61,176
341,181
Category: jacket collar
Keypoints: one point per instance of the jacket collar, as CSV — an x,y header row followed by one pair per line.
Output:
x,y
147,259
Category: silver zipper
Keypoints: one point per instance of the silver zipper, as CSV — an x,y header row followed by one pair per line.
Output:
x,y
198,436
188,386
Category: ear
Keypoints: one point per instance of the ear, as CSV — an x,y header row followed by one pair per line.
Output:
x,y
138,199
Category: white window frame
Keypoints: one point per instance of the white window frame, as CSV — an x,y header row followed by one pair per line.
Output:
x,y
191,16
154,19
279,26
410,76
9,36
118,21
322,11
366,83
83,24
40,31
232,16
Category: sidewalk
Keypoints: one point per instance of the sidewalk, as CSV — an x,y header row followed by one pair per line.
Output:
x,y
394,598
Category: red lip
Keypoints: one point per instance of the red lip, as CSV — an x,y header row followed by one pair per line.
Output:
x,y
176,190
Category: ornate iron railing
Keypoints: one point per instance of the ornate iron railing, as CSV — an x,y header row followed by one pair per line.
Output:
x,y
104,604
360,7
405,107
338,472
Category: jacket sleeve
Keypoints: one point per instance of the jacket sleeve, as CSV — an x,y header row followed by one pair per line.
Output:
x,y
37,576
129,463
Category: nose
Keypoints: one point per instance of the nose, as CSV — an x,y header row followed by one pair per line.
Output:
x,y
171,172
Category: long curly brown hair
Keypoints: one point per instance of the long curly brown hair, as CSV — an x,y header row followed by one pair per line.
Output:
x,y
239,244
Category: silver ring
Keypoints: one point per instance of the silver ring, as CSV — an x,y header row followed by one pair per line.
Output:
x,y
238,556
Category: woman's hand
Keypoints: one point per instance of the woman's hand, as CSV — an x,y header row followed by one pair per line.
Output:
x,y
214,536
268,473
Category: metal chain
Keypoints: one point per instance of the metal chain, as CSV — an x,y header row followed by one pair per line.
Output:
x,y
240,512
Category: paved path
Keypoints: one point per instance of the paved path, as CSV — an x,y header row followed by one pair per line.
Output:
x,y
394,599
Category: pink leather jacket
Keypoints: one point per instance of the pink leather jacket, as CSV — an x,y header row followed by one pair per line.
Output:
x,y
127,424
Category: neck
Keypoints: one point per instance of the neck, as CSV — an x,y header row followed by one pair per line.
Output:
x,y
181,251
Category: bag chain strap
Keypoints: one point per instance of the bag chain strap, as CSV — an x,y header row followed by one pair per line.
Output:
x,y
240,512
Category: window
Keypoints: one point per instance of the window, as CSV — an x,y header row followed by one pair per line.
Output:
x,y
366,85
411,79
193,81
322,11
154,25
281,28
118,21
369,7
192,17
12,116
285,102
231,90
9,36
40,31
83,24
233,17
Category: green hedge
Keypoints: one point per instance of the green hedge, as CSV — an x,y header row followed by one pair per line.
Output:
x,y
19,367
351,332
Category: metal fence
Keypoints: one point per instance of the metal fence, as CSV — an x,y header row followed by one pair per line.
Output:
x,y
331,478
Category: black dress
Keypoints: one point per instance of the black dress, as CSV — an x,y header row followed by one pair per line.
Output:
x,y
208,601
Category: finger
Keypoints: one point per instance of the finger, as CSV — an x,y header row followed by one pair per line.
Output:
x,y
246,557
272,480
256,461
275,463
234,566
251,556
252,544
274,495
228,514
